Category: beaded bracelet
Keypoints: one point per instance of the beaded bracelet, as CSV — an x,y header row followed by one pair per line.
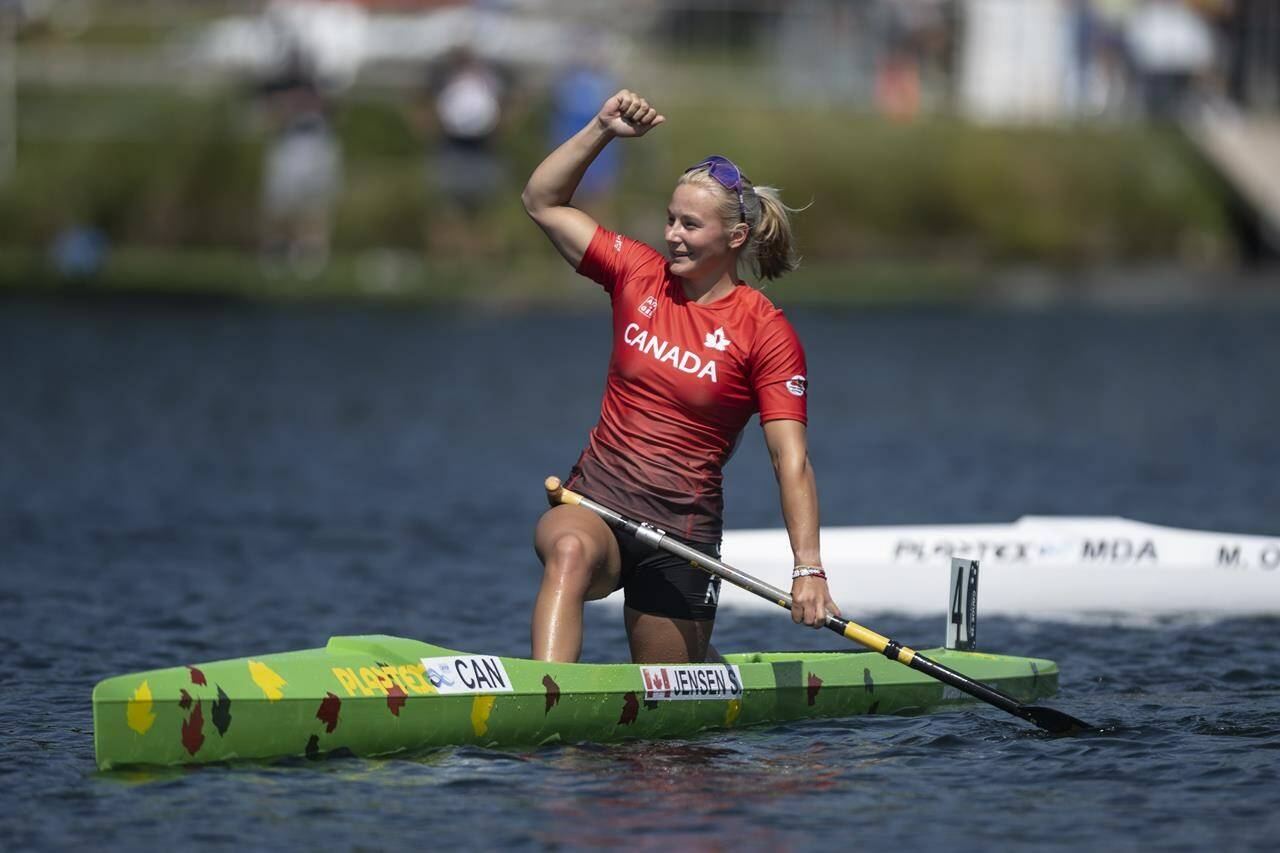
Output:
x,y
808,572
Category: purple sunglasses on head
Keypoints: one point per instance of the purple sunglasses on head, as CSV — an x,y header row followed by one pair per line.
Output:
x,y
727,173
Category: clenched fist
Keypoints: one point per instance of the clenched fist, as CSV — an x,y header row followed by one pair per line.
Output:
x,y
628,114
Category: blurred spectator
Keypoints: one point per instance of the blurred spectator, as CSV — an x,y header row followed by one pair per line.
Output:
x,y
1100,84
302,173
465,99
915,44
1171,45
78,252
898,84
576,97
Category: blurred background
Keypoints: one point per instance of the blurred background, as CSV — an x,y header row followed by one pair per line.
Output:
x,y
952,149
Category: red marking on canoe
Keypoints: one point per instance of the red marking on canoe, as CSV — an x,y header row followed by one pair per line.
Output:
x,y
395,698
815,684
630,709
193,730
184,699
328,712
197,677
553,692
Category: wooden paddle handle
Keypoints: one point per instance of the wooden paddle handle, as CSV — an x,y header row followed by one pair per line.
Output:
x,y
558,494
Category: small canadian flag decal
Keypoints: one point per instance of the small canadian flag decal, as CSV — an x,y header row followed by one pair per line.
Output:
x,y
717,341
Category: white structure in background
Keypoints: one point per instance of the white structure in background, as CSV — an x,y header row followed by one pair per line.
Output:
x,y
1037,566
332,35
1015,60
342,39
1165,37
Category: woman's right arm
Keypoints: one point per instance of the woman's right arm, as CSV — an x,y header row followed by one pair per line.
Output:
x,y
547,195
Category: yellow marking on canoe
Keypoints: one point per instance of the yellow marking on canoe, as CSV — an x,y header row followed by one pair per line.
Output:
x,y
267,679
137,712
481,708
731,713
414,675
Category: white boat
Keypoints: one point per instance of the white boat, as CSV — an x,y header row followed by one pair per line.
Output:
x,y
1037,566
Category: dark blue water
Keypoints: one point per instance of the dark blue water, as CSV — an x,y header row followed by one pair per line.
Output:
x,y
182,484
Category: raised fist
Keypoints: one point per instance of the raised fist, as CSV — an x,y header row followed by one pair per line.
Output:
x,y
628,114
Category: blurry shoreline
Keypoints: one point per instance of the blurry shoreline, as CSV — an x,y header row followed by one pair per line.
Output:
x,y
402,279
1024,154
937,192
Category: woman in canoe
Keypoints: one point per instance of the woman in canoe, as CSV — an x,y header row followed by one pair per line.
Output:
x,y
696,352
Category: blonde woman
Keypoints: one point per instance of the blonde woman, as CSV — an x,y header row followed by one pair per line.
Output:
x,y
696,352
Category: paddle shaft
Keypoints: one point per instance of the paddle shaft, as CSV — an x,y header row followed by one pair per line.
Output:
x,y
1043,717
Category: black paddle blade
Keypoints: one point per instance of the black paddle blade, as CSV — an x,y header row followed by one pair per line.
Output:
x,y
1054,722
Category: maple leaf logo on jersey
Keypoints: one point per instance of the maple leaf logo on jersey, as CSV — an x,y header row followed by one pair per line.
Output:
x,y
717,341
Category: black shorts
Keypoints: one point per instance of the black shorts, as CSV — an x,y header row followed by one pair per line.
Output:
x,y
661,584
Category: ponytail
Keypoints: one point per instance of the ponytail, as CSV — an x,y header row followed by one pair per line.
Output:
x,y
771,246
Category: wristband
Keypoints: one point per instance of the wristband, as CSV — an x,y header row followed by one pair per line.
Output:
x,y
808,572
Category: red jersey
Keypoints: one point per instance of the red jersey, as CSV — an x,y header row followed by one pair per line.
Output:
x,y
683,381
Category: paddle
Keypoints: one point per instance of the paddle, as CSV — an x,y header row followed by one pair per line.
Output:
x,y
1046,718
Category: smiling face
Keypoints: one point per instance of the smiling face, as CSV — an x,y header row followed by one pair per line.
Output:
x,y
697,239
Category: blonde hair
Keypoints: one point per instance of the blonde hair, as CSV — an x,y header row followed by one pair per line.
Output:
x,y
770,246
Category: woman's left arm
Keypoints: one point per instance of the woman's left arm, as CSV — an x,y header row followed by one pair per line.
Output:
x,y
789,451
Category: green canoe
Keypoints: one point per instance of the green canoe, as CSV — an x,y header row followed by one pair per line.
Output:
x,y
376,695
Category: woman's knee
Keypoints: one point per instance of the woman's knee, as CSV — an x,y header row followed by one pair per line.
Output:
x,y
587,533
570,547
577,549
569,558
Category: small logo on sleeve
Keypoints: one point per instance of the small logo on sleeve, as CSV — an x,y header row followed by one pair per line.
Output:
x,y
649,306
717,341
797,385
617,243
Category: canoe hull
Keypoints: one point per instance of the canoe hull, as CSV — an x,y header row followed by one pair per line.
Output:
x,y
372,695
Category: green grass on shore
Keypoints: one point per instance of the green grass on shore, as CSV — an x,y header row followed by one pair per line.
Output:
x,y
403,278
930,194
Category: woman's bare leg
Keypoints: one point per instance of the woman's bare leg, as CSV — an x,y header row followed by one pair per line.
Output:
x,y
660,639
581,563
